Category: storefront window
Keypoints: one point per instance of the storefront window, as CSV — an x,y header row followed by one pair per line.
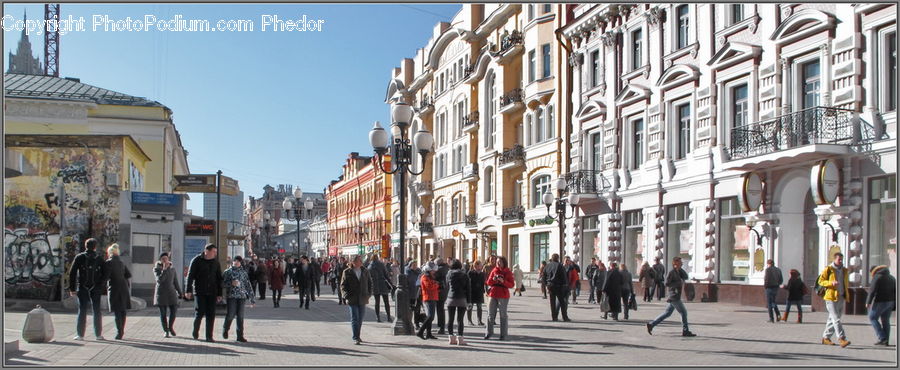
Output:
x,y
882,241
514,248
540,244
734,254
633,253
679,239
590,243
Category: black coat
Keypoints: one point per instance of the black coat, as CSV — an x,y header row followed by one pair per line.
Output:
x,y
458,283
302,279
556,275
660,272
613,289
204,277
78,272
381,279
356,291
476,286
441,277
795,289
118,275
883,287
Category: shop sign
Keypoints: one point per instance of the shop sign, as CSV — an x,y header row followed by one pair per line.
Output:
x,y
541,221
750,196
825,180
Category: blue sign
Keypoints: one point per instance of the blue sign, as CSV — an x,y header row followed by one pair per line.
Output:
x,y
139,197
192,247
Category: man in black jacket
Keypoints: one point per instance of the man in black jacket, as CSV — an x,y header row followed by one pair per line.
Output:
x,y
441,277
87,283
589,273
660,271
881,300
772,280
316,276
356,288
205,279
675,285
556,279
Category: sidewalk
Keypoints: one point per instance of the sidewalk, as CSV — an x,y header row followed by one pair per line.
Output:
x,y
727,335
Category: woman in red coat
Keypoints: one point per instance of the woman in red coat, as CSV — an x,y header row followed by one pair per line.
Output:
x,y
276,281
499,281
430,287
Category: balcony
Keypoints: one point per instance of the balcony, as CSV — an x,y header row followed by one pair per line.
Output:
x,y
426,106
470,122
470,172
514,214
471,221
586,182
512,101
512,158
798,137
424,188
511,45
468,71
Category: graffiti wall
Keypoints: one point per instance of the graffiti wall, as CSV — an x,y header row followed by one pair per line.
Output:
x,y
57,181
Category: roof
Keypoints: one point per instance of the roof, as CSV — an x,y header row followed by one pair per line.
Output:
x,y
49,87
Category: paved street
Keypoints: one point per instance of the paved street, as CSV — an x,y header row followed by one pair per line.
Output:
x,y
727,335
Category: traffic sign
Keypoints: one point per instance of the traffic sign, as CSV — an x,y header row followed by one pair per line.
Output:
x,y
196,183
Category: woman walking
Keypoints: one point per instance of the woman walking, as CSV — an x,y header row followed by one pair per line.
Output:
x,y
238,290
518,275
647,278
476,291
796,290
167,293
541,278
119,296
499,281
430,289
458,282
276,282
613,289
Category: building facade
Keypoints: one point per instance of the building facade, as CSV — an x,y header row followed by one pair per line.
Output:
x,y
262,240
359,208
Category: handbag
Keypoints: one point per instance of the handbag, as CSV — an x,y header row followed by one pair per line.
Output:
x,y
820,289
522,288
604,303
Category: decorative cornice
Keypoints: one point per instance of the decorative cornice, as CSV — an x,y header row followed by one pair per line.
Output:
x,y
655,16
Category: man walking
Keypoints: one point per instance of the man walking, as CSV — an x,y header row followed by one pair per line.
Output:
x,y
675,284
660,271
771,282
87,284
575,278
356,288
442,270
556,278
205,278
881,300
589,273
262,277
303,275
835,279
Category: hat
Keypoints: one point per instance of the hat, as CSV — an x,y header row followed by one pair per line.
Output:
x,y
430,266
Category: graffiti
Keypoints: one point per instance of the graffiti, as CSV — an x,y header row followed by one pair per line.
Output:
x,y
73,173
33,263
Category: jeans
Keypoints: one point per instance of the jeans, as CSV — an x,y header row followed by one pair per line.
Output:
x,y
276,295
472,307
167,324
459,312
205,306
430,307
576,291
305,295
673,306
441,314
235,309
262,290
120,322
787,308
558,302
89,298
357,313
591,296
833,324
498,304
881,311
659,290
771,293
387,306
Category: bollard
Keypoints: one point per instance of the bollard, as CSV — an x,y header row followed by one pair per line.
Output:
x,y
38,326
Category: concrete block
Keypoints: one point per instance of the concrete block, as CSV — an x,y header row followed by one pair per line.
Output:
x,y
38,326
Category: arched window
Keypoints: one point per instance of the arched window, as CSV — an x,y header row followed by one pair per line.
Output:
x,y
455,210
539,129
488,184
539,186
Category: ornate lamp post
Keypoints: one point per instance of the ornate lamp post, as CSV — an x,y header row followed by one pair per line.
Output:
x,y
268,224
402,158
424,225
560,211
293,210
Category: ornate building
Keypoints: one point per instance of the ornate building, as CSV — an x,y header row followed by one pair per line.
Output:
x,y
22,62
359,208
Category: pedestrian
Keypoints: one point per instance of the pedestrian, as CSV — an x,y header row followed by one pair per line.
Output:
x,y
326,268
881,301
476,291
796,290
238,291
252,270
316,276
518,275
541,278
442,270
589,274
289,271
572,273
659,270
430,288
381,286
647,277
395,277
205,278
262,277
167,293
458,285
499,281
304,276
599,280
276,282
413,276
339,275
87,283
772,280
119,288
674,284
612,287
627,289
834,278
557,280
356,287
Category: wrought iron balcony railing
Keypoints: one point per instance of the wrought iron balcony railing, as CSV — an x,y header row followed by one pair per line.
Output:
x,y
586,182
426,103
515,213
470,119
818,125
468,71
426,227
513,96
471,220
423,187
511,155
510,40
470,171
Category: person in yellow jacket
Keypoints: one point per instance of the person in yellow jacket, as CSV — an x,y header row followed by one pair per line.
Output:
x,y
836,281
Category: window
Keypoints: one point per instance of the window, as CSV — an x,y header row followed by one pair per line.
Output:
x,y
684,26
455,210
531,65
540,246
595,68
679,239
547,8
545,61
488,184
530,11
492,110
737,13
550,125
889,58
734,239
636,41
634,241
811,81
540,186
597,141
882,242
739,111
539,126
637,151
683,146
529,127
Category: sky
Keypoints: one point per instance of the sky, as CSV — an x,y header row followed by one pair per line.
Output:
x,y
265,107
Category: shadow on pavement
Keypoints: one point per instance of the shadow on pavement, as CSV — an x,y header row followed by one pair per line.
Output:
x,y
317,350
179,346
12,357
579,328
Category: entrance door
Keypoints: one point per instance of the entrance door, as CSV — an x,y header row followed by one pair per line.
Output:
x,y
810,246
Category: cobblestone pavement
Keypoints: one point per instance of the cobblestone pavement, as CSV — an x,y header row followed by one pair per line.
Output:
x,y
287,336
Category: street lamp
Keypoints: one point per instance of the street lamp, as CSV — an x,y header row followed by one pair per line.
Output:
x,y
560,211
267,224
293,210
403,156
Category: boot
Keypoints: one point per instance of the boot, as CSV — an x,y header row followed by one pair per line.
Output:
x,y
453,340
784,317
460,341
799,317
844,342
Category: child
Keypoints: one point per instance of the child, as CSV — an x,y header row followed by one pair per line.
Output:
x,y
796,290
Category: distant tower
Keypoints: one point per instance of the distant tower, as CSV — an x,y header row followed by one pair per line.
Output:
x,y
51,41
22,61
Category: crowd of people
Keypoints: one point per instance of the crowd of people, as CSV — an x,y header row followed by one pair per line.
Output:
x,y
443,292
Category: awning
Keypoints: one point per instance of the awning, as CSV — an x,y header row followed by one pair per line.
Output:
x,y
591,204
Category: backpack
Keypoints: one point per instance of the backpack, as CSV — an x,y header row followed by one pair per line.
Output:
x,y
820,289
93,271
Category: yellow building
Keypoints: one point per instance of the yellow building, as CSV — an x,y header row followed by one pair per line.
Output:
x,y
359,208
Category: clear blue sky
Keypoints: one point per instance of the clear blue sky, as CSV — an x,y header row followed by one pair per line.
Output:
x,y
265,107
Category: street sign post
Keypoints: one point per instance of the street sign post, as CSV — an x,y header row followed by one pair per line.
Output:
x,y
196,183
